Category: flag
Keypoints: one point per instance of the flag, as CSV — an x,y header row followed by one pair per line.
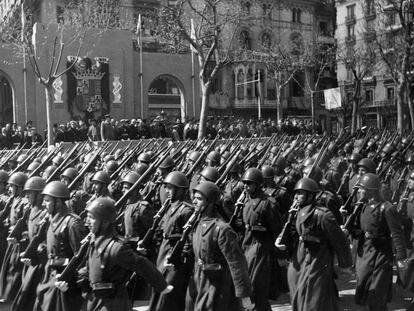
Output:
x,y
139,30
332,98
192,36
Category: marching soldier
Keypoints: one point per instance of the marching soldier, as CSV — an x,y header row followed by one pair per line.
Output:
x,y
100,182
319,235
109,262
4,197
34,267
232,190
179,211
262,224
381,234
64,236
220,270
11,270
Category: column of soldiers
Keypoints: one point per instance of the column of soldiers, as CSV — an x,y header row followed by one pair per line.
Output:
x,y
207,225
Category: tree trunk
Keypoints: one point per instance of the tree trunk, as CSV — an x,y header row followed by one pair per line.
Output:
x,y
279,109
355,106
203,110
400,101
312,110
49,91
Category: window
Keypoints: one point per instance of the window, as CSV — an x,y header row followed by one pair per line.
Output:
x,y
323,29
245,40
296,15
267,9
369,7
390,19
350,11
350,30
266,41
349,74
390,93
250,77
369,96
240,88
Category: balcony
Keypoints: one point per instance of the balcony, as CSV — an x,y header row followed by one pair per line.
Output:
x,y
370,14
252,103
369,81
326,38
350,20
380,103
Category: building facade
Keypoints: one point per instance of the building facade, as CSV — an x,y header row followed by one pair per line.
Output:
x,y
358,24
112,76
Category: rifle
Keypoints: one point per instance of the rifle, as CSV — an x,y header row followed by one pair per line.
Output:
x,y
350,222
348,201
290,222
66,160
45,162
175,257
29,158
223,176
5,212
320,156
344,180
14,152
31,250
149,235
224,165
150,170
238,206
273,163
86,167
69,271
399,184
190,172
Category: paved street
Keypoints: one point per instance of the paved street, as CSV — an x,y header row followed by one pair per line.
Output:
x,y
400,302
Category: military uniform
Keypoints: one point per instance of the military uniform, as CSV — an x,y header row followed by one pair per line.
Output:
x,y
173,221
220,269
26,296
319,236
78,200
232,191
262,226
11,270
66,231
381,227
110,261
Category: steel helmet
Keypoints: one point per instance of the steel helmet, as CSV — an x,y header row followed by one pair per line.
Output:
x,y
57,189
210,173
307,184
167,163
309,162
274,150
368,163
109,157
32,166
236,168
317,173
281,162
370,181
18,179
310,147
140,168
177,179
21,158
118,153
151,153
103,209
209,190
225,155
49,170
4,177
388,149
355,157
70,173
144,157
111,166
268,171
253,175
13,159
194,155
214,156
348,147
34,183
131,177
57,160
102,177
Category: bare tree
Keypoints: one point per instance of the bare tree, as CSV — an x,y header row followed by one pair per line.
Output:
x,y
395,42
359,61
215,23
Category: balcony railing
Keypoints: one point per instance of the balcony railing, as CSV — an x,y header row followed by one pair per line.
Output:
x,y
380,103
350,19
350,40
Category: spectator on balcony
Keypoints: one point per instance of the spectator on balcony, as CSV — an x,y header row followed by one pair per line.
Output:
x,y
107,129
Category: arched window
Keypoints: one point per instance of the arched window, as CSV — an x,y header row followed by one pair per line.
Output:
x,y
240,88
266,40
245,40
246,7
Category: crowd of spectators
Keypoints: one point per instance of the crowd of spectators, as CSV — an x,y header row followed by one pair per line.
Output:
x,y
110,129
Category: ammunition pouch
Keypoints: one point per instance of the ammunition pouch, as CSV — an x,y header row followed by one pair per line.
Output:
x,y
104,290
